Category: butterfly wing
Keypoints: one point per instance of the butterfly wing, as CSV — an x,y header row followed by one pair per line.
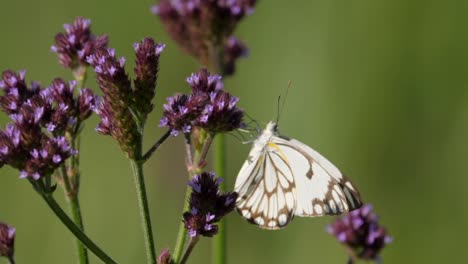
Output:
x,y
320,187
266,188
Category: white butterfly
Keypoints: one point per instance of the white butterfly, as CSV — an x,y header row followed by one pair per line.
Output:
x,y
283,177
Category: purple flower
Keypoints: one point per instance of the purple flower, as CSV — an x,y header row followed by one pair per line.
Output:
x,y
360,231
233,50
86,103
203,28
65,111
117,99
208,205
16,92
146,72
7,240
221,114
181,110
203,82
208,107
77,43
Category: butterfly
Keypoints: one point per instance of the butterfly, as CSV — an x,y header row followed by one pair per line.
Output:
x,y
283,177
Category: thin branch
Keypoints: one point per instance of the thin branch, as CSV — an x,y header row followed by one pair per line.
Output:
x,y
156,145
193,241
206,146
188,151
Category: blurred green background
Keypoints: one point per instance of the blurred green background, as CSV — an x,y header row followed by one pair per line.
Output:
x,y
379,87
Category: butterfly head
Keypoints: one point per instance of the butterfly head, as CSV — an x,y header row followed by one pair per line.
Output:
x,y
272,127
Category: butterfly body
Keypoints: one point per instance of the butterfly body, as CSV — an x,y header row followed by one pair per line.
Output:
x,y
283,177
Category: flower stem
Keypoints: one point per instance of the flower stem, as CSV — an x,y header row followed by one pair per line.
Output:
x,y
156,145
193,241
74,205
182,233
139,180
11,260
77,218
199,160
49,199
219,241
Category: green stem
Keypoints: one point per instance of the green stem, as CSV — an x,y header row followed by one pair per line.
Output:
x,y
193,241
200,155
76,230
77,218
182,233
219,241
74,205
155,146
139,179
11,260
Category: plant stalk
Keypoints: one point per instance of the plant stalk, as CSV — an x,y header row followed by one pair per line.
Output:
x,y
85,240
193,241
219,241
139,180
74,206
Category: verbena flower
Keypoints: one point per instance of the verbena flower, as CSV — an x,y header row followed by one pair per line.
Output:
x,y
114,108
207,205
121,105
34,142
16,92
77,43
360,231
7,240
68,111
146,73
208,107
233,50
203,28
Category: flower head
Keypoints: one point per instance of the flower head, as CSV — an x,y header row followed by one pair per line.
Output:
x,y
7,240
16,92
221,113
203,28
146,72
117,99
208,107
360,231
207,205
34,142
77,43
67,110
233,50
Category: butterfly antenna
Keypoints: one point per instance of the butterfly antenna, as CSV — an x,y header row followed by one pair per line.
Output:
x,y
280,104
257,128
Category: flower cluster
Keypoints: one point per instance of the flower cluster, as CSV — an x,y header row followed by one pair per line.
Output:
x,y
360,231
203,28
16,92
146,73
7,240
77,43
207,205
34,142
68,111
120,104
208,107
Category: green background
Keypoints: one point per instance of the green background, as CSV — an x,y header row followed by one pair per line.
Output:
x,y
379,87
